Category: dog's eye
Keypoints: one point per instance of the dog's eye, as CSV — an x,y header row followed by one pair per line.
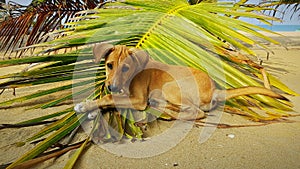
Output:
x,y
125,68
109,65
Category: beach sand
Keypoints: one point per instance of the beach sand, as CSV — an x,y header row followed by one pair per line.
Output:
x,y
271,146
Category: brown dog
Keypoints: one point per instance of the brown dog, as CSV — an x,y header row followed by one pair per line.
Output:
x,y
137,81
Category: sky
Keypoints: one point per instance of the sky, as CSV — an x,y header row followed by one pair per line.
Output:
x,y
286,20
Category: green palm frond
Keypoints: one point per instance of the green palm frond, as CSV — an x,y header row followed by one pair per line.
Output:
x,y
171,31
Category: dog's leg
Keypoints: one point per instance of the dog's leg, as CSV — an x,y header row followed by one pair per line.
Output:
x,y
182,112
193,114
184,115
112,101
137,99
180,104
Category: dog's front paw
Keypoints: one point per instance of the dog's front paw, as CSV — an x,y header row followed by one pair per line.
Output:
x,y
80,108
85,107
92,115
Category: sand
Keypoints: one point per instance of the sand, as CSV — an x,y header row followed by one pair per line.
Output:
x,y
272,146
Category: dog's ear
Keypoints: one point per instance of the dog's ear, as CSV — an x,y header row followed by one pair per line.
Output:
x,y
141,57
102,50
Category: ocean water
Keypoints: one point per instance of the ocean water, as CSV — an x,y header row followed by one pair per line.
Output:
x,y
283,28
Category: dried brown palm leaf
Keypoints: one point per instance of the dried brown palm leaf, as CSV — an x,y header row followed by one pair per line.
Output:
x,y
31,26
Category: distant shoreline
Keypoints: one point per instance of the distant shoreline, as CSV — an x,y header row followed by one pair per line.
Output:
x,y
287,39
281,28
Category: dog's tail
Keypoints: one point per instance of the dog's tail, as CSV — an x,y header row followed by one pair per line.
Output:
x,y
222,95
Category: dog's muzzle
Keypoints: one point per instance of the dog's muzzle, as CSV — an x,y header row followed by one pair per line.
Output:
x,y
115,89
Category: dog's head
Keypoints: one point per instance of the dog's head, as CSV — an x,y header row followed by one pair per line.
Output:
x,y
121,63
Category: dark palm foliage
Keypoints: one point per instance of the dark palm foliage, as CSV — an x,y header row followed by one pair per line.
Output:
x,y
28,26
14,9
284,7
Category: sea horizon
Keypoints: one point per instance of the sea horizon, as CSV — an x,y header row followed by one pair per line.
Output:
x,y
281,28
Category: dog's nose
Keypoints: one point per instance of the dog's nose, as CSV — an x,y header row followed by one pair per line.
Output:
x,y
112,88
